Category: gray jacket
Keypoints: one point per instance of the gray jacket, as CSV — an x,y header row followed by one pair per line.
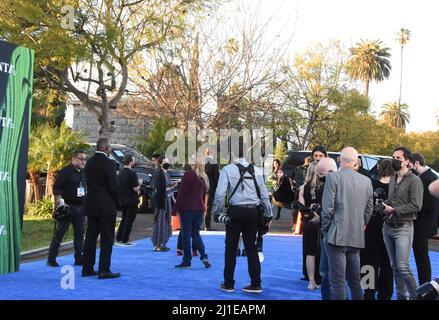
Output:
x,y
406,197
347,206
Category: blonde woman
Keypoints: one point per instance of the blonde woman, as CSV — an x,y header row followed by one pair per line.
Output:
x,y
309,194
191,207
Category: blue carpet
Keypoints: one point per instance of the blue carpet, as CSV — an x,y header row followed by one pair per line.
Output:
x,y
152,276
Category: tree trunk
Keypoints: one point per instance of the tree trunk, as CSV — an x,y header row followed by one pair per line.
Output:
x,y
35,186
50,181
366,89
106,130
400,81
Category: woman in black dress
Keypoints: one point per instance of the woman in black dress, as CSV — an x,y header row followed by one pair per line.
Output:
x,y
311,192
375,254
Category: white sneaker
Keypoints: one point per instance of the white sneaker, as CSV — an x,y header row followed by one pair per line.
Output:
x,y
129,244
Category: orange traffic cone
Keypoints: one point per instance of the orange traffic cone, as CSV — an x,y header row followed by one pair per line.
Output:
x,y
296,228
175,223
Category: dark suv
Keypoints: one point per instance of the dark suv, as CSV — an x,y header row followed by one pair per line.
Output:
x,y
296,158
144,168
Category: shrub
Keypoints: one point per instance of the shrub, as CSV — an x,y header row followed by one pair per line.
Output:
x,y
42,208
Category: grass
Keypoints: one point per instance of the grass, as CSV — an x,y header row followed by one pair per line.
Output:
x,y
38,232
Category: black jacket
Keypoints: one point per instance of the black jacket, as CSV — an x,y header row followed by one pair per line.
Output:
x,y
212,172
426,223
102,196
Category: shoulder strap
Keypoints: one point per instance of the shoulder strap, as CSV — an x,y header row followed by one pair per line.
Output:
x,y
250,169
241,178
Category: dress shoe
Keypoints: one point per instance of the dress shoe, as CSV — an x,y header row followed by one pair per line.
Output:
x,y
227,288
89,274
52,263
183,266
252,289
109,275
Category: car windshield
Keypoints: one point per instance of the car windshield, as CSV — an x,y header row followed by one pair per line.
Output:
x,y
139,159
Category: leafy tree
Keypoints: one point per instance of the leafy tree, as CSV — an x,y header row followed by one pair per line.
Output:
x,y
154,141
91,60
395,115
280,151
316,90
369,61
51,148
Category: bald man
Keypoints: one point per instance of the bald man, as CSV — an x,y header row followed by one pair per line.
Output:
x,y
434,189
347,207
325,167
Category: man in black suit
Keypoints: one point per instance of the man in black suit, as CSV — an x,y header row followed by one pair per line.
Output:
x,y
101,204
427,220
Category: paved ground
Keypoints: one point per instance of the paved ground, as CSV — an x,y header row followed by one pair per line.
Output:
x,y
142,228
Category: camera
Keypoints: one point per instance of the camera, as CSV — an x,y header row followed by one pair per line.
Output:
x,y
307,213
61,212
428,291
221,218
381,199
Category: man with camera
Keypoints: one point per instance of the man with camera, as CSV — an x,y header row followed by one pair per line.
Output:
x,y
425,226
248,206
346,209
69,191
404,201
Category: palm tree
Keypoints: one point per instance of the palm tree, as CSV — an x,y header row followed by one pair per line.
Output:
x,y
403,36
369,61
395,114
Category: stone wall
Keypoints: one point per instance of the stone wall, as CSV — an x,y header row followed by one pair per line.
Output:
x,y
126,129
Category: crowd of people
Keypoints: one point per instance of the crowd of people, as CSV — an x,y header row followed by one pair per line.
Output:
x,y
350,221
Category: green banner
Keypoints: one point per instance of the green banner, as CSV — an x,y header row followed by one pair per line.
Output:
x,y
16,78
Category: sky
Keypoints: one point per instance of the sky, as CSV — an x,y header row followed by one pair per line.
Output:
x,y
310,21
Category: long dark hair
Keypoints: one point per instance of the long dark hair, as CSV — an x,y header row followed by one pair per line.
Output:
x,y
278,163
322,149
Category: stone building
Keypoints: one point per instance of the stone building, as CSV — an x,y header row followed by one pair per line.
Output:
x,y
127,129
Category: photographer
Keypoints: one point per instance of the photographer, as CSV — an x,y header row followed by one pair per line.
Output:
x,y
425,226
405,200
249,204
310,195
69,190
375,254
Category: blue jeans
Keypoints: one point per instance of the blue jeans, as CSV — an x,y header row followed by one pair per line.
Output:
x,y
398,243
190,228
344,265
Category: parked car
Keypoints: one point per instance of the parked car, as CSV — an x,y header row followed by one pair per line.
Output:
x,y
144,168
295,158
369,162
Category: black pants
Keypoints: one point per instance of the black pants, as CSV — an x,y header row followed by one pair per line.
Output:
x,y
245,221
423,265
129,213
77,219
103,225
375,255
208,216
